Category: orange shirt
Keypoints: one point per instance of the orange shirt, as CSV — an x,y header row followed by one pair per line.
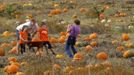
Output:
x,y
43,34
23,35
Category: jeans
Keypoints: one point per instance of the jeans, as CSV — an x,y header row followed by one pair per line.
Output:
x,y
70,45
22,48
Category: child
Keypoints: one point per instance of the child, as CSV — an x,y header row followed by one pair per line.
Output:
x,y
73,31
43,34
23,38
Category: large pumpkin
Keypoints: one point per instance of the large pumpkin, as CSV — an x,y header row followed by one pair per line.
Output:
x,y
102,56
128,53
125,37
2,52
11,69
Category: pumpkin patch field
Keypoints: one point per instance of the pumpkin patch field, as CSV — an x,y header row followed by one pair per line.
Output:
x,y
105,45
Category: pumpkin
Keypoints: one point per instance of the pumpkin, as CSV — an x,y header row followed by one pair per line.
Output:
x,y
11,69
59,56
93,35
53,40
67,69
13,50
74,16
102,56
50,15
82,10
88,48
55,12
35,39
6,34
4,45
125,37
48,72
2,52
62,33
65,10
120,48
129,44
61,39
102,16
122,14
13,43
87,39
78,56
20,73
12,59
106,7
114,42
56,66
15,63
93,44
128,53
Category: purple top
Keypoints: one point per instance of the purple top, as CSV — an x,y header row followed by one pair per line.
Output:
x,y
74,30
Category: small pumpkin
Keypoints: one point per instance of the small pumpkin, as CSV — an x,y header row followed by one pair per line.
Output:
x,y
13,43
120,48
20,73
56,66
78,57
128,53
50,15
74,16
93,35
12,59
129,44
82,10
6,33
102,16
53,40
114,42
65,10
125,37
102,56
93,44
88,48
2,52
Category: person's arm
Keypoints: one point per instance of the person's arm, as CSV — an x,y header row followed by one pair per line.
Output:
x,y
36,30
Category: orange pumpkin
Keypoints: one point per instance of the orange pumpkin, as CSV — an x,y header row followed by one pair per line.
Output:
x,y
56,11
6,34
50,15
82,10
13,50
20,73
87,39
125,37
78,56
2,52
114,42
35,39
88,48
102,16
53,40
65,10
62,33
93,35
15,63
56,66
120,48
12,59
102,56
93,44
74,16
13,43
129,44
62,39
128,53
11,69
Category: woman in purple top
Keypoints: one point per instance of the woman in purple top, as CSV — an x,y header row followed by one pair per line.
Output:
x,y
74,31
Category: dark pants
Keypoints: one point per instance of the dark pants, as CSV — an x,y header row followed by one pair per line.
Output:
x,y
70,44
22,48
48,46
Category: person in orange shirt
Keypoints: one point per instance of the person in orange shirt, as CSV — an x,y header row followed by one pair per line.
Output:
x,y
43,34
23,38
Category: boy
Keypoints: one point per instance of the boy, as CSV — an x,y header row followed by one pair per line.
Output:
x,y
73,31
23,38
43,34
